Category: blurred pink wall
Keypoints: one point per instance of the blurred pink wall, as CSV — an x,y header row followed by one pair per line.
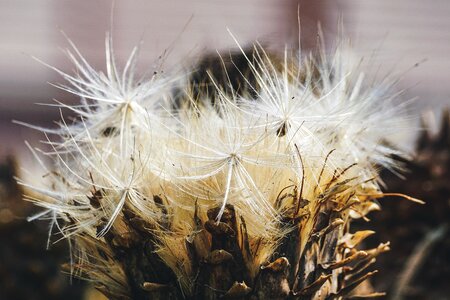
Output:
x,y
403,32
33,28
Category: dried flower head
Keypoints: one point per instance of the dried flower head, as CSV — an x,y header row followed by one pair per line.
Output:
x,y
221,193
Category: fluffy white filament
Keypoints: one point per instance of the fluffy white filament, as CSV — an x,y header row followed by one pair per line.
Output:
x,y
311,116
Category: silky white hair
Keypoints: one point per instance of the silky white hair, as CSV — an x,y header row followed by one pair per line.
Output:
x,y
314,121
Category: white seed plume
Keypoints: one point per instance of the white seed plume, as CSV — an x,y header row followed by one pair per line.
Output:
x,y
315,127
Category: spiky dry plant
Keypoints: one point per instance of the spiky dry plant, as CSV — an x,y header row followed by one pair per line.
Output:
x,y
238,195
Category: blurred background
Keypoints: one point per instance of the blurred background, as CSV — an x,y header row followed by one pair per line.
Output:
x,y
401,33
410,38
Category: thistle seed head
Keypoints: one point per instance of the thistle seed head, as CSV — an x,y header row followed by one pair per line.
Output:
x,y
220,192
